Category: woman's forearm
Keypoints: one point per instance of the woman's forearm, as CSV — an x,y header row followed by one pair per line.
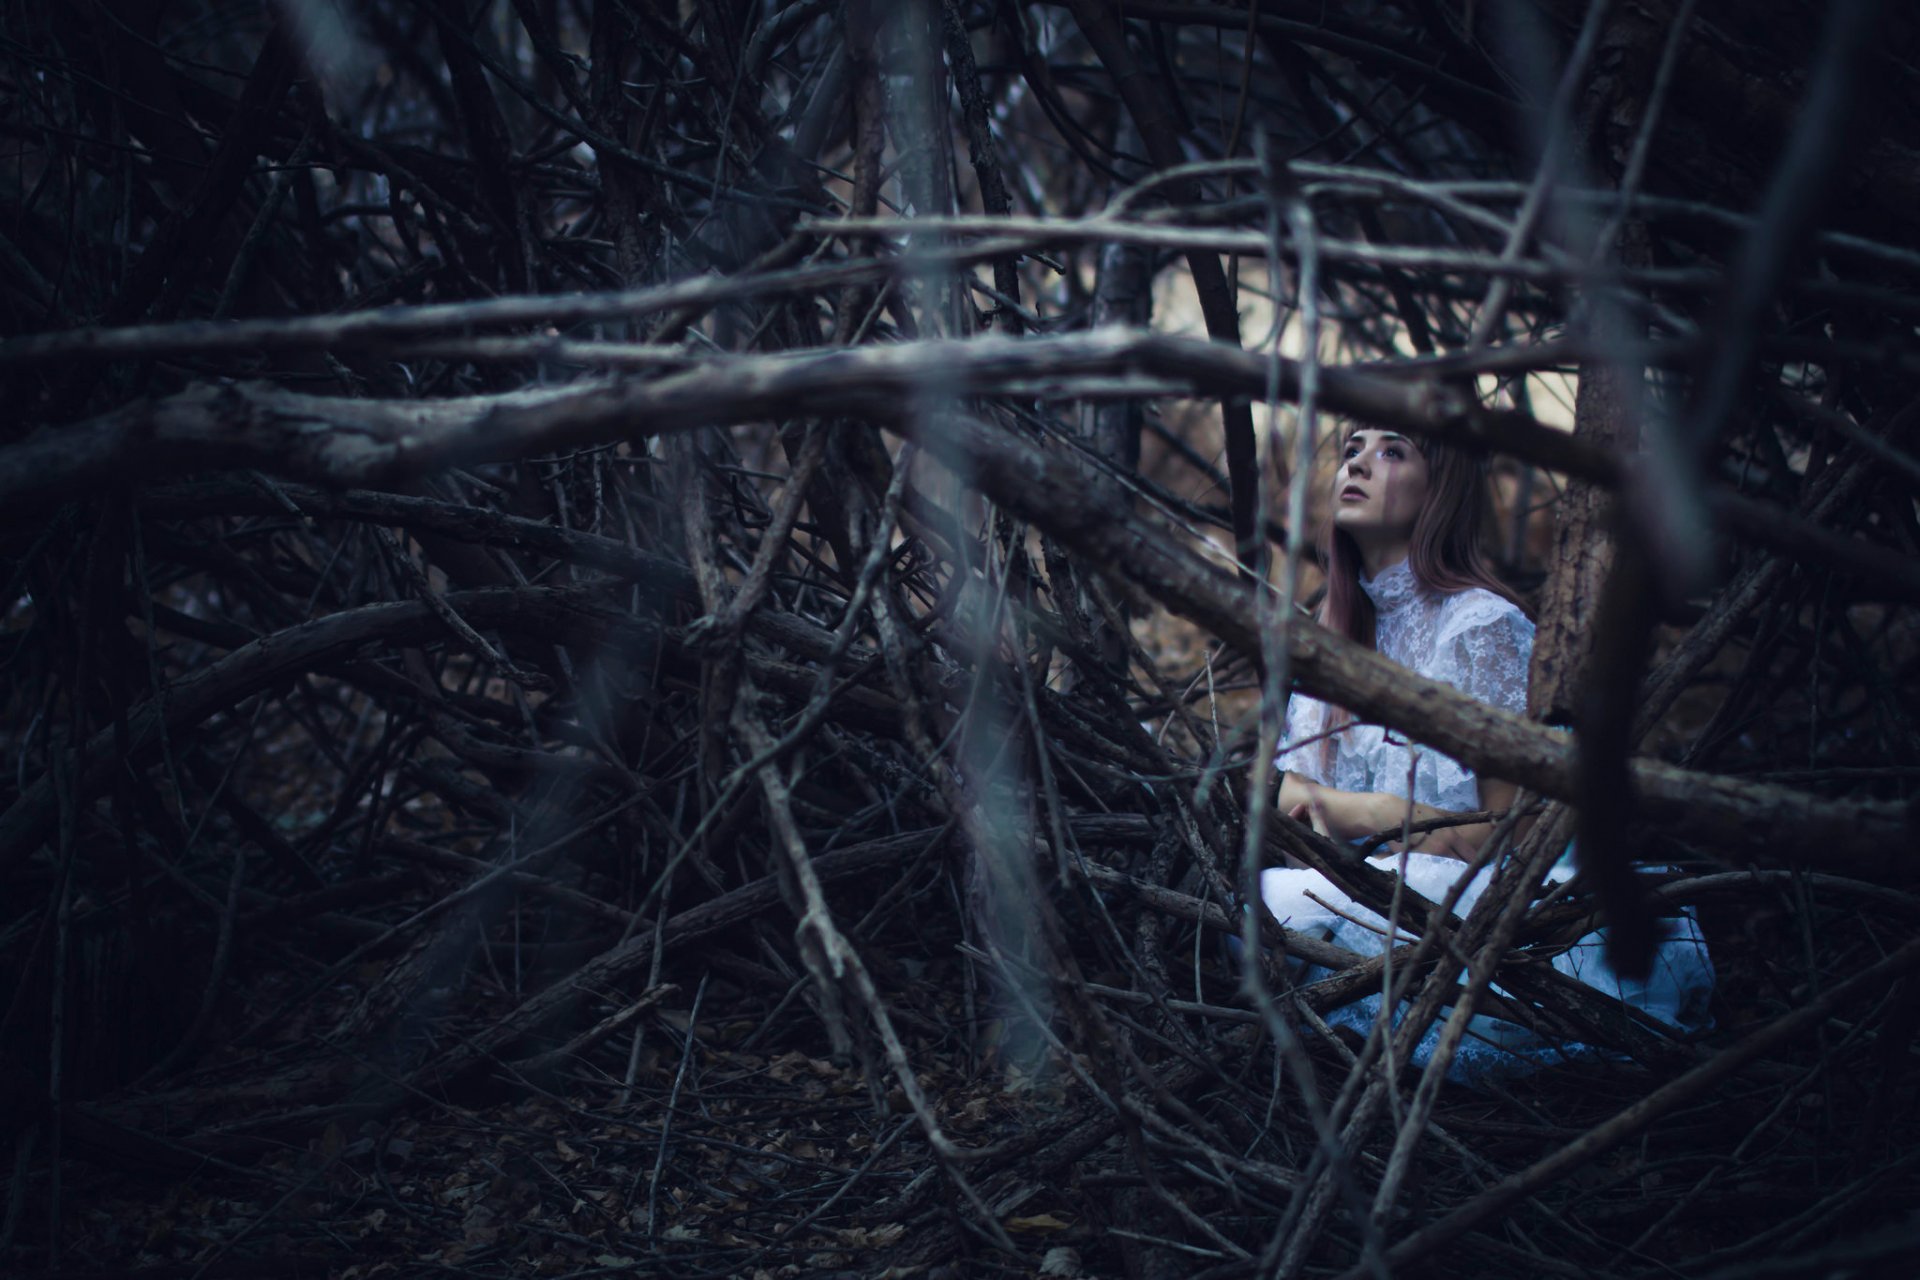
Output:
x,y
1351,815
1345,815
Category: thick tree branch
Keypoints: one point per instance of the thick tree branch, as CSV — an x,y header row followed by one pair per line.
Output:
x,y
339,441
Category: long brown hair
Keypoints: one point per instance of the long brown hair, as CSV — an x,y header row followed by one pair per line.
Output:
x,y
1447,553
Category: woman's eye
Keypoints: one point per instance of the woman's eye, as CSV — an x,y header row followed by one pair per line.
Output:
x,y
1392,451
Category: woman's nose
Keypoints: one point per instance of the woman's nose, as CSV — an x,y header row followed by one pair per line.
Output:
x,y
1357,465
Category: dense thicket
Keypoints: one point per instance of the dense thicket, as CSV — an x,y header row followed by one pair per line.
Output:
x,y
635,631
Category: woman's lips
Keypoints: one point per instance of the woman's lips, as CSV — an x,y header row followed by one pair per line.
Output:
x,y
1353,492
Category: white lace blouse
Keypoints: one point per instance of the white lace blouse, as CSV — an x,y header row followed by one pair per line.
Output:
x,y
1474,640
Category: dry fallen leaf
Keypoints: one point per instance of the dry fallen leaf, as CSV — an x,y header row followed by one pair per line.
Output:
x,y
787,1066
480,1228
871,1237
1038,1222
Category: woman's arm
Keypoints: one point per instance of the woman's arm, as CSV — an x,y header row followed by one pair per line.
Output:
x,y
1339,815
1349,815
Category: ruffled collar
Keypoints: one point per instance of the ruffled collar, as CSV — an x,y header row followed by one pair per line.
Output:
x,y
1392,589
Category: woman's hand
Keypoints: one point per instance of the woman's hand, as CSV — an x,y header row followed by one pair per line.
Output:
x,y
1314,814
1335,814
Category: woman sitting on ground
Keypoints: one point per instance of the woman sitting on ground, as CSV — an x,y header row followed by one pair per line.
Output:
x,y
1408,576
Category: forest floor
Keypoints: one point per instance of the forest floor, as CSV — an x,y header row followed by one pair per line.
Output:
x,y
723,1140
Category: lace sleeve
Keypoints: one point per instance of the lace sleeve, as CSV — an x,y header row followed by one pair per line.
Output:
x,y
1483,648
1306,719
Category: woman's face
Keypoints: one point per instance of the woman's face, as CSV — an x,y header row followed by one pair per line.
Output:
x,y
1379,488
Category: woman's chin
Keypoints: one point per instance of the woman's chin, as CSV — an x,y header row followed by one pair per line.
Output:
x,y
1366,526
1361,525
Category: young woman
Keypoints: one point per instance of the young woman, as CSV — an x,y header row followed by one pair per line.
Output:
x,y
1407,574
